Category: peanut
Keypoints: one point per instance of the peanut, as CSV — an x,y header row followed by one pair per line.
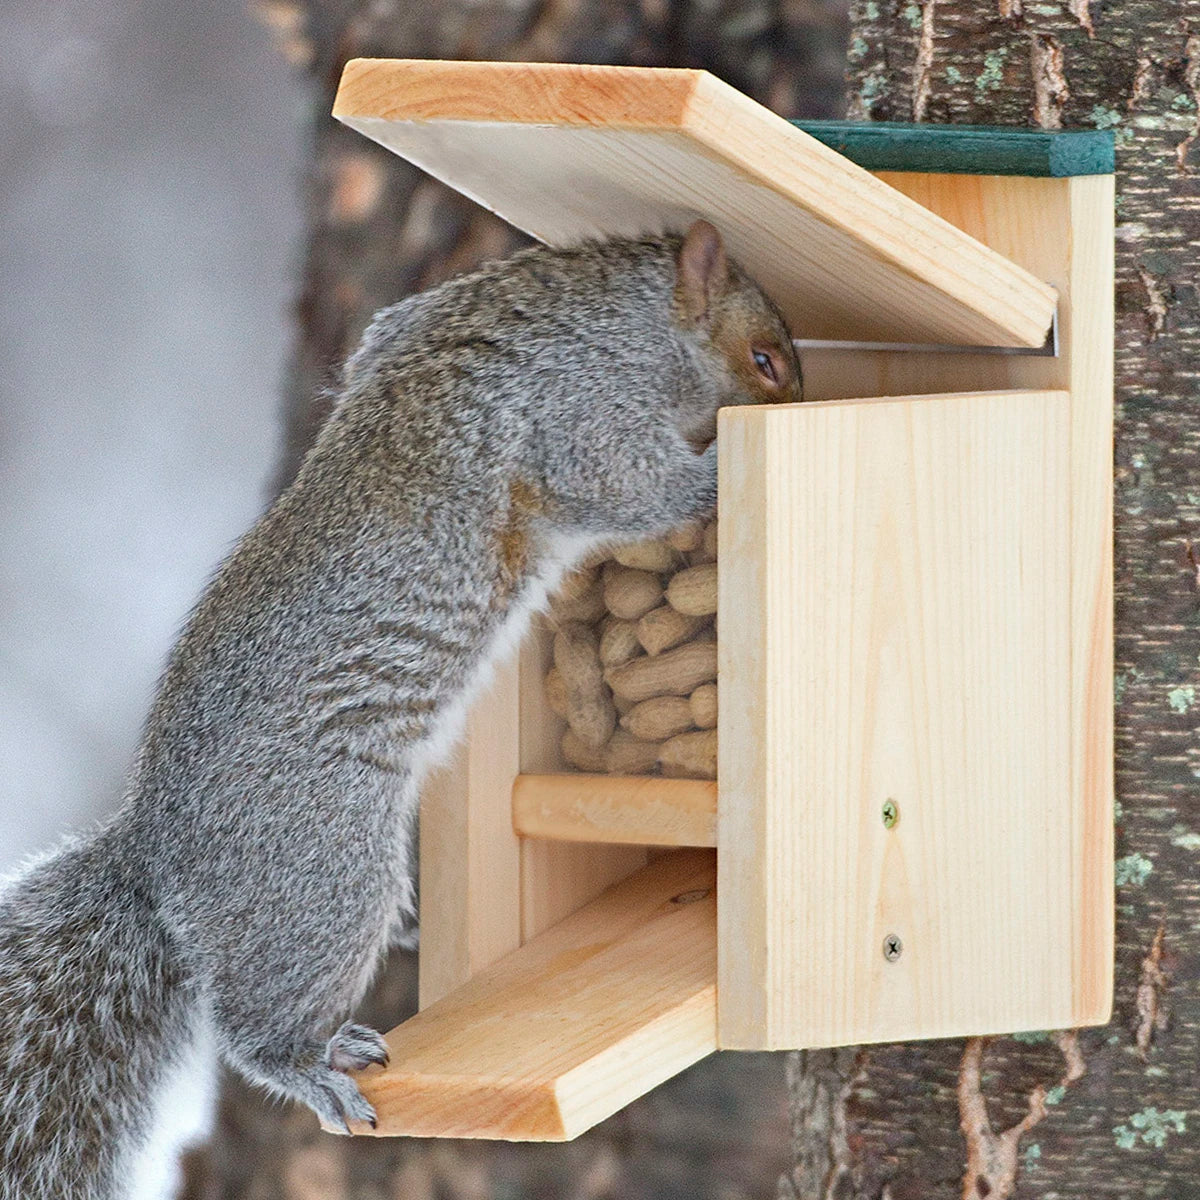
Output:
x,y
619,643
648,556
676,672
590,711
579,754
687,537
694,591
628,755
581,598
659,718
703,706
707,551
556,693
690,755
664,627
630,593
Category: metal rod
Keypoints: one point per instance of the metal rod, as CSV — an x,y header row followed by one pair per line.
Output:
x,y
1048,349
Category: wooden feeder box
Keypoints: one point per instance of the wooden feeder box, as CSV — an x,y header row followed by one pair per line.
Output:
x,y
912,832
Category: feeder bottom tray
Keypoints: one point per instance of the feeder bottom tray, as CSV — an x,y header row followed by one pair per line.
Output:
x,y
574,1025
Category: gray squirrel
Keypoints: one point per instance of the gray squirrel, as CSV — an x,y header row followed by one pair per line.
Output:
x,y
489,434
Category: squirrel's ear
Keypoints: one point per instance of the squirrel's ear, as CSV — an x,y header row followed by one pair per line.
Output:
x,y
701,271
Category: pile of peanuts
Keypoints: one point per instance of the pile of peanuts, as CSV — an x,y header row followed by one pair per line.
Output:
x,y
635,659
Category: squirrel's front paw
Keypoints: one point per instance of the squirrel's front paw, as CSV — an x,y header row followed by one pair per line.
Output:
x,y
334,1096
336,1100
356,1046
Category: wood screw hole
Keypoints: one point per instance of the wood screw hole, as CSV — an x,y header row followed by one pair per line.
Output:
x,y
690,897
891,814
893,947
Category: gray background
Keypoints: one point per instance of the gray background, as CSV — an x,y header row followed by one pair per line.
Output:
x,y
150,157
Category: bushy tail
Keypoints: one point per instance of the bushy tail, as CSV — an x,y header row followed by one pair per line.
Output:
x,y
92,996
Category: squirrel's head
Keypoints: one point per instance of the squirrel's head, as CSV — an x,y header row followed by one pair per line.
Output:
x,y
736,336
661,332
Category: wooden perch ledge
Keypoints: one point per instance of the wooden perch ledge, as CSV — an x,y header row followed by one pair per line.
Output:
x,y
574,1025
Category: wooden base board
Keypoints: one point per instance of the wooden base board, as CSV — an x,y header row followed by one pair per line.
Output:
x,y
563,1032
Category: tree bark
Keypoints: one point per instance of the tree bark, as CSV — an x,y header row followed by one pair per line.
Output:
x,y
1111,1112
377,230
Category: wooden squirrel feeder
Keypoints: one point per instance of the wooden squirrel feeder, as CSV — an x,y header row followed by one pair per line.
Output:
x,y
913,822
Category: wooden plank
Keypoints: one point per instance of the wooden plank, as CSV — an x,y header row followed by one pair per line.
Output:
x,y
573,1026
470,857
967,149
1092,204
996,210
903,590
1071,245
566,152
629,810
556,877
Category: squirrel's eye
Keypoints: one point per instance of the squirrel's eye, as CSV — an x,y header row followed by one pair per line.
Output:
x,y
762,360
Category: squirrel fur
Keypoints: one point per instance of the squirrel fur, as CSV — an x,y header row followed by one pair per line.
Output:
x,y
489,434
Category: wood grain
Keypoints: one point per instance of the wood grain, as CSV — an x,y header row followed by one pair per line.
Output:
x,y
470,857
1070,244
566,152
566,1030
640,811
1092,204
903,582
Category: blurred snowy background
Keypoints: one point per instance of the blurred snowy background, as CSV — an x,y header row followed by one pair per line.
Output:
x,y
150,157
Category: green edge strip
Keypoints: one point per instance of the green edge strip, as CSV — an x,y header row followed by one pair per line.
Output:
x,y
967,149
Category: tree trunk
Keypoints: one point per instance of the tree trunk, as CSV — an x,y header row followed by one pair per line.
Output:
x,y
1111,1112
379,229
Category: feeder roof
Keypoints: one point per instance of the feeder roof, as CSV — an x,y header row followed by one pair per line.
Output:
x,y
565,152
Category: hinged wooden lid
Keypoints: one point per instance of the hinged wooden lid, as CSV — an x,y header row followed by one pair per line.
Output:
x,y
566,152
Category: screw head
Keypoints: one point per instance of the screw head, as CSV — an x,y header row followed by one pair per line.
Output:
x,y
893,947
891,814
691,897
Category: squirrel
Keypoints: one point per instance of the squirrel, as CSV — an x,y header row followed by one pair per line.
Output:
x,y
488,435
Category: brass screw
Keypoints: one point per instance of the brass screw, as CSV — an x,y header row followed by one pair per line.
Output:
x,y
891,814
893,947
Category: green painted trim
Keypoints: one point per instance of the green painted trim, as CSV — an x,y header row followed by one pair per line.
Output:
x,y
967,149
